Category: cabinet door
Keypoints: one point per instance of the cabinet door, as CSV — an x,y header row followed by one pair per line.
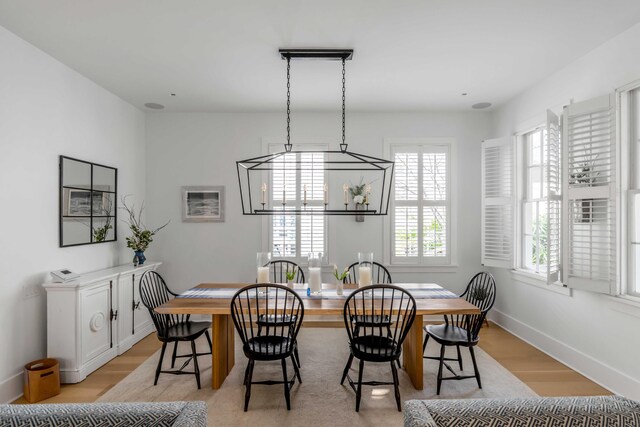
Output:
x,y
96,325
141,317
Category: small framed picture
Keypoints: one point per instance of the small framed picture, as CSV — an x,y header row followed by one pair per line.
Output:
x,y
203,204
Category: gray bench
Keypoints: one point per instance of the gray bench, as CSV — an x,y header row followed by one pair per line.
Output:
x,y
611,411
177,414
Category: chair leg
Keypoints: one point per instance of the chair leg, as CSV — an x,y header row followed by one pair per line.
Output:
x,y
459,357
175,354
247,393
295,352
296,369
396,385
424,345
440,370
359,389
206,334
164,347
475,366
346,369
195,362
287,397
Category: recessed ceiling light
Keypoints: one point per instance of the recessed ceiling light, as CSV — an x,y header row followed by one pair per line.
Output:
x,y
172,94
464,94
481,105
154,106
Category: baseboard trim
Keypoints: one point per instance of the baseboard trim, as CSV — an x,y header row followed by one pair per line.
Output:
x,y
598,372
11,388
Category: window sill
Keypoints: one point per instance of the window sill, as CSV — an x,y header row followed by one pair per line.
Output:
x,y
626,304
533,279
413,268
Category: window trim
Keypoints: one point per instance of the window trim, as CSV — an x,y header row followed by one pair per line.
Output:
x,y
321,144
518,273
427,264
626,173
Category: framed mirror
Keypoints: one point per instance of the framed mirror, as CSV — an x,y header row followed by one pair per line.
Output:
x,y
88,197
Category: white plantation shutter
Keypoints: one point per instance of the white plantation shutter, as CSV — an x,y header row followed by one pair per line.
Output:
x,y
497,161
294,236
554,198
589,168
421,204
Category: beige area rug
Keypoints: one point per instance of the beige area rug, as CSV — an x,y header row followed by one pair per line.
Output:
x,y
320,400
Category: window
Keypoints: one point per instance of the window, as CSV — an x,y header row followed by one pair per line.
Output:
x,y
630,111
293,236
534,226
540,201
421,212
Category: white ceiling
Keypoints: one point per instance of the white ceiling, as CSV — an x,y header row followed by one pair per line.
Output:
x,y
409,54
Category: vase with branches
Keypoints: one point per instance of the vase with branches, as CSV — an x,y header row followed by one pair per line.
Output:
x,y
141,236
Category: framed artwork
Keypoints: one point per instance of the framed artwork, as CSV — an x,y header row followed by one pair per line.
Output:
x,y
203,204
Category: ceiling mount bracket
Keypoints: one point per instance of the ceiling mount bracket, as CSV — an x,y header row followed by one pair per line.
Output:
x,y
329,54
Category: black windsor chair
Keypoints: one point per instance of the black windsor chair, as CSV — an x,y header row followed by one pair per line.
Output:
x,y
463,330
268,318
172,327
371,341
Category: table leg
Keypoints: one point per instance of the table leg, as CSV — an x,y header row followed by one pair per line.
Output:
x,y
222,356
412,353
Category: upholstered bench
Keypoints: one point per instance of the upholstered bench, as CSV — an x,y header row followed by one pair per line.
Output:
x,y
177,414
610,411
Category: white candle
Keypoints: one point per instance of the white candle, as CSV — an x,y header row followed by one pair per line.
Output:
x,y
284,197
315,280
364,276
305,194
366,194
326,194
264,193
345,188
263,275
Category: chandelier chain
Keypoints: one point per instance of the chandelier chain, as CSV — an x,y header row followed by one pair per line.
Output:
x,y
343,146
287,147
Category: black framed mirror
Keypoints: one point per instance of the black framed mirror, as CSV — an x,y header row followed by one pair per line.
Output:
x,y
88,197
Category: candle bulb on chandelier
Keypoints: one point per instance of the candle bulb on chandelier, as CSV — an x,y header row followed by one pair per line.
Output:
x,y
326,194
264,193
284,197
305,194
345,188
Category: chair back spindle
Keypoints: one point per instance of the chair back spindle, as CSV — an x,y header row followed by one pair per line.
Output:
x,y
378,319
379,274
481,292
153,293
267,317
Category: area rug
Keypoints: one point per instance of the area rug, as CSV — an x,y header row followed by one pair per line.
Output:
x,y
320,400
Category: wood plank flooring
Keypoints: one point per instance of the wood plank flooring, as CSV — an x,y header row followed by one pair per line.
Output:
x,y
543,374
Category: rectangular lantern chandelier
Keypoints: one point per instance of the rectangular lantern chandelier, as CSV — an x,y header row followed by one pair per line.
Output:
x,y
329,182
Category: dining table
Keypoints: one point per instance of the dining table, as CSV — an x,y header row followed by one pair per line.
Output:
x,y
214,299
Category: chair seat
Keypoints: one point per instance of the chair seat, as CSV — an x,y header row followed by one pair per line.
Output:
x,y
375,320
374,348
268,347
450,335
273,320
185,331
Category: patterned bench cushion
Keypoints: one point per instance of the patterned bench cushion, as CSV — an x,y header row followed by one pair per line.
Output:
x,y
597,411
162,414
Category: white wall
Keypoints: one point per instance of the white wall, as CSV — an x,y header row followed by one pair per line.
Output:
x,y
592,333
201,149
47,109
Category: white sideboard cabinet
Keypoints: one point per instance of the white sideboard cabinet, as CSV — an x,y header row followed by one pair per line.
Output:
x,y
95,318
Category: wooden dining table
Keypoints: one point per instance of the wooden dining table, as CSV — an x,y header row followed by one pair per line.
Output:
x,y
223,334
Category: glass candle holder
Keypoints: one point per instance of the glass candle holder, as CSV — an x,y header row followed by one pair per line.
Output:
x,y
365,264
263,265
315,273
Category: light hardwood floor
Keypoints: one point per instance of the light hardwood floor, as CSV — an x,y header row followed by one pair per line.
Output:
x,y
545,375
